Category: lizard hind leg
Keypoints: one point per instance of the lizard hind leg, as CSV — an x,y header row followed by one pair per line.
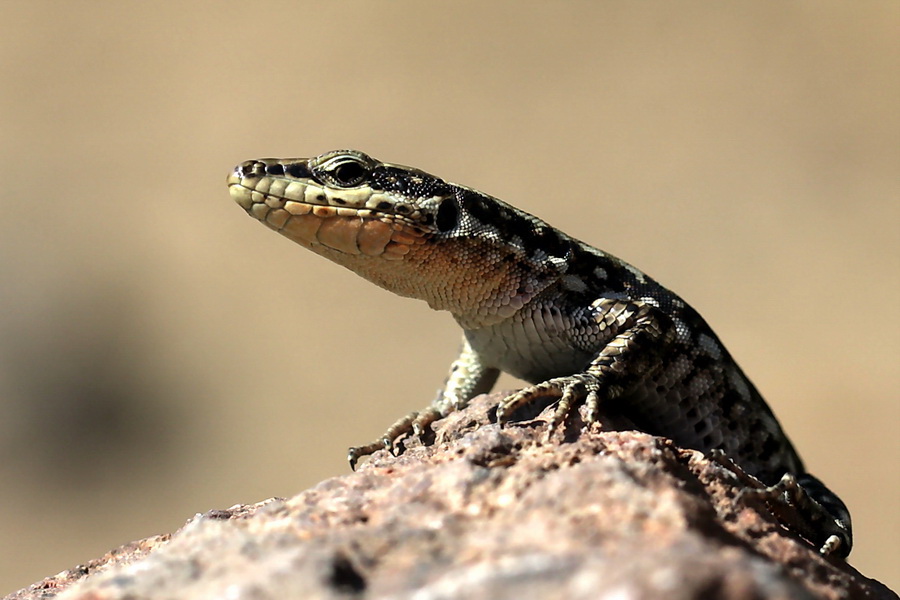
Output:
x,y
832,514
800,502
818,514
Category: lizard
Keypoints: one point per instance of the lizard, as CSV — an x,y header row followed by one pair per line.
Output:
x,y
579,324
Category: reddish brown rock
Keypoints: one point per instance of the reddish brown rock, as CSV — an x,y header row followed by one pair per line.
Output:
x,y
487,513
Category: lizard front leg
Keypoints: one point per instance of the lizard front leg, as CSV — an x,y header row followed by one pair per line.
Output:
x,y
468,377
637,335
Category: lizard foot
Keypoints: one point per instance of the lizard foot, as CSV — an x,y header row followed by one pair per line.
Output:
x,y
803,504
571,391
800,502
415,423
385,442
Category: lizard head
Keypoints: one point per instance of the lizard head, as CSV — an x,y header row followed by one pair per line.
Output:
x,y
405,230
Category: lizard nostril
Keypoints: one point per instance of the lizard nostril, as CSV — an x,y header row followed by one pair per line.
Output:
x,y
249,168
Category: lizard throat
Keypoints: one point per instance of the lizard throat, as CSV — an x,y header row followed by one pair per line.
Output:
x,y
473,283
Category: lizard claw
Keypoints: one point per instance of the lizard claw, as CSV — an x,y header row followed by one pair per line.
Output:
x,y
385,442
424,419
592,405
357,452
831,545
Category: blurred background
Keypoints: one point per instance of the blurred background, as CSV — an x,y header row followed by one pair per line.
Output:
x,y
162,354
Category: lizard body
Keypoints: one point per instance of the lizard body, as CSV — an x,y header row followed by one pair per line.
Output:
x,y
576,322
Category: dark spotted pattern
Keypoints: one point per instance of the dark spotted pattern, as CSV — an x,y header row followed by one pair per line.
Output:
x,y
565,316
414,185
514,225
297,169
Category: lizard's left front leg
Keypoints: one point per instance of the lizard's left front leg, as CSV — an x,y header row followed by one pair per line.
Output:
x,y
637,335
468,377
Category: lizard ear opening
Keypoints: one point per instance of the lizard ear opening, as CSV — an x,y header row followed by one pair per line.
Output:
x,y
447,215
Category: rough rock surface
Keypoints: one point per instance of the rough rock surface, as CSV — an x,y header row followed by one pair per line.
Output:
x,y
486,512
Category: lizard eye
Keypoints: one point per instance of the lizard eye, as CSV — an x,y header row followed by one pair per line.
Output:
x,y
345,171
447,215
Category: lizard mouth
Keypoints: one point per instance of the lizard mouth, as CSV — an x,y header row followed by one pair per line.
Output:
x,y
315,216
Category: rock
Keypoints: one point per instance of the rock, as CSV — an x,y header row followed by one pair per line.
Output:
x,y
486,512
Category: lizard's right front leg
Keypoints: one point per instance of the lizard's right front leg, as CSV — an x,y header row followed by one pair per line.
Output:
x,y
468,377
638,335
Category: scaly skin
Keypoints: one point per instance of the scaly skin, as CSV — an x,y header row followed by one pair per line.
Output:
x,y
576,322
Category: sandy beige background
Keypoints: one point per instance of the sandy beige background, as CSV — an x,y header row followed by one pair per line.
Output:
x,y
162,354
